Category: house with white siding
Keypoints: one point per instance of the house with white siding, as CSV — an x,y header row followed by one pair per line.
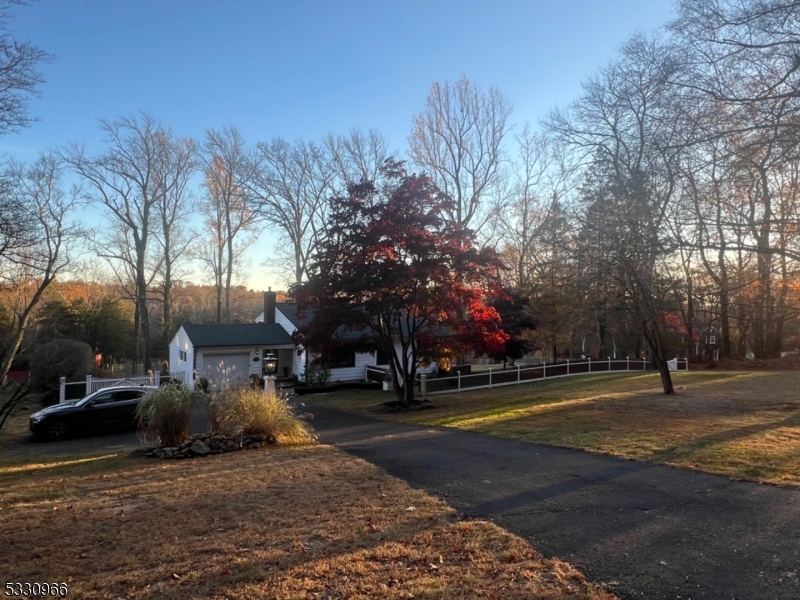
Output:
x,y
235,351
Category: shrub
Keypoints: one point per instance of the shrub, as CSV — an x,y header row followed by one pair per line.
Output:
x,y
163,414
202,383
317,374
255,382
253,412
59,358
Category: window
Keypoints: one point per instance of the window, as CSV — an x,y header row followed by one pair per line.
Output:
x,y
381,358
341,359
182,355
712,339
103,398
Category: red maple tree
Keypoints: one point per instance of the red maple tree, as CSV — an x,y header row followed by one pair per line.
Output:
x,y
395,276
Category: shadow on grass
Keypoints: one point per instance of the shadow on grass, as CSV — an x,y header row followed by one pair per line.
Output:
x,y
721,437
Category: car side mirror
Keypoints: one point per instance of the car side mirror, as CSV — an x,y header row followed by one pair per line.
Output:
x,y
88,404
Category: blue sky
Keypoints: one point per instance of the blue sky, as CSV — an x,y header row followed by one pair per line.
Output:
x,y
302,69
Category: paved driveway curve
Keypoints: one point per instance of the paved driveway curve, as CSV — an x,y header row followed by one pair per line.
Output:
x,y
650,531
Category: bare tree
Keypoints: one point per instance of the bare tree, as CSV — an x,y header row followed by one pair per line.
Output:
x,y
230,208
15,230
623,131
530,219
357,157
19,75
19,80
746,73
26,272
294,182
125,181
174,206
457,138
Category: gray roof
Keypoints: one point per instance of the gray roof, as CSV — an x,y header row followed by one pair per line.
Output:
x,y
237,334
289,310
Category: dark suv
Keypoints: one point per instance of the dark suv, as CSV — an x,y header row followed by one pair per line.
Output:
x,y
104,410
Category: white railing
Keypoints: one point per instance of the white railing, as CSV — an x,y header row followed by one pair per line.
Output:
x,y
92,384
520,374
373,373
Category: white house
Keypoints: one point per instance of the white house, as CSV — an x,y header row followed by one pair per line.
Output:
x,y
229,351
351,365
235,350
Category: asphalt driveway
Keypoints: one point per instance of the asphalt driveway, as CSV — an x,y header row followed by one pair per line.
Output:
x,y
649,531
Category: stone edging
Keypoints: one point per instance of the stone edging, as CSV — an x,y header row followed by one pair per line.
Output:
x,y
206,443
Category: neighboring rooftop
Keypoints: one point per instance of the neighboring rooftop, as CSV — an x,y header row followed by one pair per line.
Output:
x,y
289,310
237,334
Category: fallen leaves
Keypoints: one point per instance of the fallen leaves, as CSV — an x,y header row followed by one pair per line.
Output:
x,y
268,525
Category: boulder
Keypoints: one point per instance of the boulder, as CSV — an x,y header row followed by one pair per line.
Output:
x,y
200,448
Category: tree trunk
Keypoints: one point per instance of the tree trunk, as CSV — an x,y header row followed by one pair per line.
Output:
x,y
11,352
228,279
689,318
136,330
218,279
22,324
166,317
144,317
764,301
725,323
658,355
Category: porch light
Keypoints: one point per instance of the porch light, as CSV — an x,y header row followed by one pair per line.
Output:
x,y
270,364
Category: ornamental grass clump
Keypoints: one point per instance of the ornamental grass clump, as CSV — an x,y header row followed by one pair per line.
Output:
x,y
246,411
163,415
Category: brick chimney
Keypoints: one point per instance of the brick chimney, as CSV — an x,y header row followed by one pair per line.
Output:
x,y
269,306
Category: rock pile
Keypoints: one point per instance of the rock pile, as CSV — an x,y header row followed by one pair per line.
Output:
x,y
207,443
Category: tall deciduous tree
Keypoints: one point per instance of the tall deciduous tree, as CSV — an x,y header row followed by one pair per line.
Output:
x,y
624,129
457,138
357,157
174,207
294,182
230,208
19,80
27,272
400,275
745,75
126,181
19,74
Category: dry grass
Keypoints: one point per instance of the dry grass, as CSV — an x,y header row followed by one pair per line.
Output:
x,y
249,411
288,523
163,415
743,424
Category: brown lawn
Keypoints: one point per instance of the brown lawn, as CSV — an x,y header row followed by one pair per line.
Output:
x,y
280,523
742,424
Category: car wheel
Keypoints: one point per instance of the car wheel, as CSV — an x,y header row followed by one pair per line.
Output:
x,y
57,430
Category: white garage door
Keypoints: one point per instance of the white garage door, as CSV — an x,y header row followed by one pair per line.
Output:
x,y
234,367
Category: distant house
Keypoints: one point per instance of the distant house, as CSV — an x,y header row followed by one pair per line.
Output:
x,y
236,350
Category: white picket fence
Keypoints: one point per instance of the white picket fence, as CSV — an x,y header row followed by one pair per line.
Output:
x,y
515,376
94,383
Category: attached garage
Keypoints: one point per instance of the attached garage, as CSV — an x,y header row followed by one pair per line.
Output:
x,y
231,352
217,367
